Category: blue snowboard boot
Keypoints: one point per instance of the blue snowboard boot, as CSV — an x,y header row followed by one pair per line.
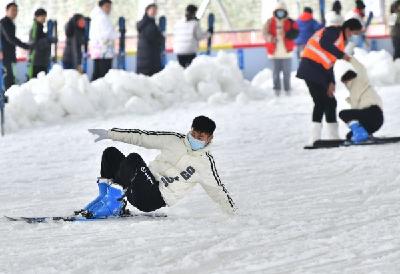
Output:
x,y
110,202
359,133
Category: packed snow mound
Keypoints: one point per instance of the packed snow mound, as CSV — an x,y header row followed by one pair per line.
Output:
x,y
62,93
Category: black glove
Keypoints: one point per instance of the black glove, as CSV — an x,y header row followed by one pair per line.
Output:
x,y
211,30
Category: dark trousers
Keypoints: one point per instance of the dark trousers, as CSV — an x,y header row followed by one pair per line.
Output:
x,y
323,104
36,70
8,75
370,118
185,59
101,67
134,176
396,47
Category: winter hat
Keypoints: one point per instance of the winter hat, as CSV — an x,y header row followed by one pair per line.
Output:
x,y
280,5
360,4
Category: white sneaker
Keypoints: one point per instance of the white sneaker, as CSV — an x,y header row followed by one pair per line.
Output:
x,y
333,131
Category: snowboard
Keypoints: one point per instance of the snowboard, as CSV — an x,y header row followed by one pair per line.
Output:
x,y
77,218
162,24
85,64
211,21
121,61
55,35
52,35
345,143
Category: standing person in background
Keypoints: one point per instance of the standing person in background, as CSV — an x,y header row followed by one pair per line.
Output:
x,y
187,35
149,43
101,38
334,17
279,33
316,69
358,13
75,38
307,26
39,56
394,23
9,42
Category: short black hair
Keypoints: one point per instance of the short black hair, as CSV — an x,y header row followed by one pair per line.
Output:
x,y
103,2
203,124
352,24
40,12
308,10
12,4
360,4
348,76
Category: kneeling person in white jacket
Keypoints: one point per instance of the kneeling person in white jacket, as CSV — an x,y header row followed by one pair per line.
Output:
x,y
365,116
184,162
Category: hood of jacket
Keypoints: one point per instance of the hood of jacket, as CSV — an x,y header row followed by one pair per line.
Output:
x,y
144,22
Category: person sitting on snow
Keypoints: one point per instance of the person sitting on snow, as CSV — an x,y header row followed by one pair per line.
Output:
x,y
184,162
365,116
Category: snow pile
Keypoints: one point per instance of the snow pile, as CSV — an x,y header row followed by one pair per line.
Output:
x,y
61,93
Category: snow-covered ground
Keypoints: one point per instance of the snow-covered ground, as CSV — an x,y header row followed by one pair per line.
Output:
x,y
325,211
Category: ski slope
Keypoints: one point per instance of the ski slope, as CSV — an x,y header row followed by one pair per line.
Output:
x,y
325,211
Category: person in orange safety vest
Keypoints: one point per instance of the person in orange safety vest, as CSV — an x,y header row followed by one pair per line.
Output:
x,y
316,69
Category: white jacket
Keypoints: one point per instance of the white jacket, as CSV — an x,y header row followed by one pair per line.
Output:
x,y
333,19
362,94
178,168
102,35
187,35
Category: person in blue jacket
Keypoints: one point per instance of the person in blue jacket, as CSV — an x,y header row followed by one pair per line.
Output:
x,y
307,27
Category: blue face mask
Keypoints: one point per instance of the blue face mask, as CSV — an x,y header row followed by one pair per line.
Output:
x,y
194,143
280,14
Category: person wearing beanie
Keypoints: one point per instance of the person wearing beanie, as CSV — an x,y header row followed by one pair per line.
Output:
x,y
187,35
280,33
307,27
39,56
366,114
316,69
334,17
358,13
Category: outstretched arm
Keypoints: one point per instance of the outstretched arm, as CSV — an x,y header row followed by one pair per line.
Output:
x,y
216,189
143,138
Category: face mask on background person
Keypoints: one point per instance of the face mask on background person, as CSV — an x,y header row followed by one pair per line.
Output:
x,y
194,143
280,14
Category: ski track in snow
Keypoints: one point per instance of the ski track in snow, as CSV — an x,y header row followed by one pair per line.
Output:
x,y
324,211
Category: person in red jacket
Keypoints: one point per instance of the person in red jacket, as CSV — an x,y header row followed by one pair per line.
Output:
x,y
279,33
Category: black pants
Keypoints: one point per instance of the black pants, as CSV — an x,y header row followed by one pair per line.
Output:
x,y
396,47
323,104
8,75
101,67
185,59
134,176
370,118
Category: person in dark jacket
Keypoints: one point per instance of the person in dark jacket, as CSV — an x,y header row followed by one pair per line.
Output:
x,y
39,56
394,23
149,43
316,69
307,26
75,39
8,43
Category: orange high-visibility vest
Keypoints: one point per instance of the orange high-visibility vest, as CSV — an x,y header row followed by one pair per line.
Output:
x,y
315,52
